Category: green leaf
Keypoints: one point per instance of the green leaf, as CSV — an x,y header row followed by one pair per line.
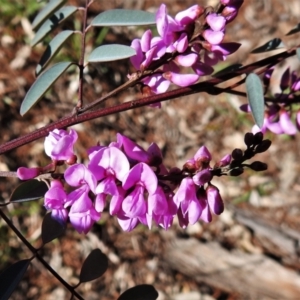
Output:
x,y
53,47
94,266
123,17
255,95
298,53
51,7
111,52
11,277
269,46
140,292
29,190
294,30
51,229
49,25
42,84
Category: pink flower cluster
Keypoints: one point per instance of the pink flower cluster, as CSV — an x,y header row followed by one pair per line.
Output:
x,y
184,41
282,116
135,183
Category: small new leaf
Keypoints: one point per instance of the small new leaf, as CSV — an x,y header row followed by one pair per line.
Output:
x,y
94,266
51,7
60,16
11,277
140,292
269,46
255,95
52,48
42,84
110,53
51,229
123,17
28,191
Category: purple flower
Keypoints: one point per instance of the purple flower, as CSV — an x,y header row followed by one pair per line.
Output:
x,y
78,175
82,212
59,144
55,199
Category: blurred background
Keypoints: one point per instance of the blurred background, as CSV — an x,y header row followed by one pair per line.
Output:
x,y
251,251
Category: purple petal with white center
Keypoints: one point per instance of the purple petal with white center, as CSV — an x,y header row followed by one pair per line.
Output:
x,y
213,37
141,174
214,200
216,22
186,60
181,79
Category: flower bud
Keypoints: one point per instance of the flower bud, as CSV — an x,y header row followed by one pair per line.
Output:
x,y
237,154
258,137
225,161
71,160
214,200
249,139
258,166
263,146
27,173
236,172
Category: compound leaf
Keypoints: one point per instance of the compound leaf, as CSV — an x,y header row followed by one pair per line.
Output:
x,y
29,190
51,228
269,46
11,277
52,48
51,7
50,24
255,95
124,17
140,292
94,266
111,52
42,84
